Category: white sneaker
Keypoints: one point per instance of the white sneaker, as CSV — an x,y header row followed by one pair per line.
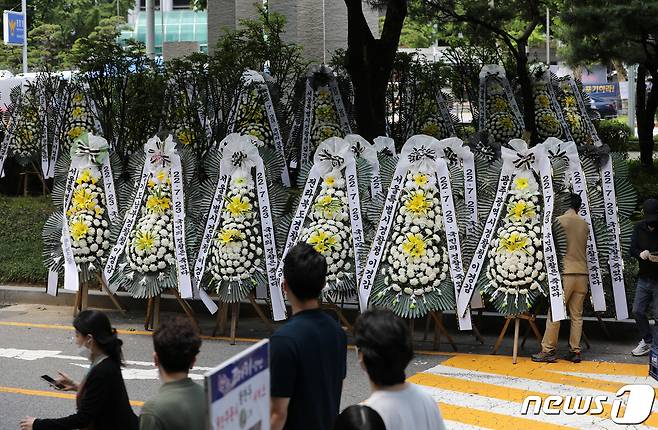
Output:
x,y
642,348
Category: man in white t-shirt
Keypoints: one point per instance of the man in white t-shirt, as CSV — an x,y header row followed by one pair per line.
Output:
x,y
385,349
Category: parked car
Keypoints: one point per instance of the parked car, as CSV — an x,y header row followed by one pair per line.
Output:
x,y
605,106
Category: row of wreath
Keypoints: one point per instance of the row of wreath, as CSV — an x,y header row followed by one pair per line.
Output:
x,y
418,232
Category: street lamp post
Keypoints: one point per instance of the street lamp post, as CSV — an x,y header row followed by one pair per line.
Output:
x,y
150,28
24,10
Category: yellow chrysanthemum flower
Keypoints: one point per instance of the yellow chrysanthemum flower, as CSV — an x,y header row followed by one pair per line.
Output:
x,y
322,241
86,177
185,137
161,176
420,179
78,229
330,181
521,209
83,199
500,105
570,101
521,183
78,98
157,204
327,206
238,206
144,241
229,235
75,132
543,101
414,245
417,203
507,122
515,242
77,112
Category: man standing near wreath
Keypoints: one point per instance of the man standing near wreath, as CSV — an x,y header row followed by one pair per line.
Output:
x,y
575,278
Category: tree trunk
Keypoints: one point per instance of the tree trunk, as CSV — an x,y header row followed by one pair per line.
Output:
x,y
645,107
369,63
528,107
369,78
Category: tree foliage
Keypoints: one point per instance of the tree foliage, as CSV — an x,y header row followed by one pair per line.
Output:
x,y
612,32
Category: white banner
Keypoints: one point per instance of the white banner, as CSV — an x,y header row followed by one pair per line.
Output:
x,y
361,148
305,156
71,280
494,71
9,131
269,242
212,223
381,235
128,223
276,133
555,290
178,200
110,192
612,219
356,222
340,107
557,149
47,169
452,236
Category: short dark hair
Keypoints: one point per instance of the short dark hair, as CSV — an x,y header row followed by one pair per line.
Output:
x,y
359,417
305,271
575,202
177,342
385,343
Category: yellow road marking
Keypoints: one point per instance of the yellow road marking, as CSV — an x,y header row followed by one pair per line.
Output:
x,y
56,395
148,333
494,391
492,420
120,331
547,372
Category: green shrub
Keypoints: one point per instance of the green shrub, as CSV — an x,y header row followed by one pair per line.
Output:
x,y
21,222
614,134
645,180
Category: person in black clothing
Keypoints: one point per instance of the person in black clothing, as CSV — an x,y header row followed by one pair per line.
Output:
x,y
644,247
308,354
102,400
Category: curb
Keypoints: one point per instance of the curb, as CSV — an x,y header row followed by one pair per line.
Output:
x,y
488,322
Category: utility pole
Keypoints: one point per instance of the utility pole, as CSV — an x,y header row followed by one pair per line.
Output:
x,y
548,37
24,10
150,28
632,96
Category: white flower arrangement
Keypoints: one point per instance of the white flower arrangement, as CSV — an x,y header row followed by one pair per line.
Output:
x,y
572,115
516,267
252,118
237,251
325,117
500,122
24,143
80,119
150,247
87,220
329,231
415,258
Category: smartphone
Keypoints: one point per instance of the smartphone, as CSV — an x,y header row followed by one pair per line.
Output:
x,y
52,382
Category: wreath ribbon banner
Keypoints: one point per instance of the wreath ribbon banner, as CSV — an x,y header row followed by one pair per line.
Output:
x,y
576,177
9,131
363,149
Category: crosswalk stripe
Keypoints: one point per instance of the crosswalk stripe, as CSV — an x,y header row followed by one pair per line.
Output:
x,y
456,425
491,420
545,388
495,413
526,368
500,392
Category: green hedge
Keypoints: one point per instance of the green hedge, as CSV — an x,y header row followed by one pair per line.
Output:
x,y
614,134
645,180
21,221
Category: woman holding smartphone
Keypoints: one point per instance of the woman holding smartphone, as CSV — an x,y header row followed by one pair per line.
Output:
x,y
102,400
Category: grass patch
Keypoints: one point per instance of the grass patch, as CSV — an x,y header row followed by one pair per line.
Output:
x,y
21,222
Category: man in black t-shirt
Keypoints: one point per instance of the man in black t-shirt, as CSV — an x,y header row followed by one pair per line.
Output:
x,y
308,354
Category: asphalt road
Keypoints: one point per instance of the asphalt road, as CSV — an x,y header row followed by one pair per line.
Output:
x,y
35,341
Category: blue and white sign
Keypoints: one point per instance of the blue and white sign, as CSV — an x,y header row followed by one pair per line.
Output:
x,y
13,27
238,390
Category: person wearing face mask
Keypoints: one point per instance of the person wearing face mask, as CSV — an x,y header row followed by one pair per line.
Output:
x,y
102,399
644,247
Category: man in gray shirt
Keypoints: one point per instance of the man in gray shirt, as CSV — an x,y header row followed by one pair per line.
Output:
x,y
180,403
